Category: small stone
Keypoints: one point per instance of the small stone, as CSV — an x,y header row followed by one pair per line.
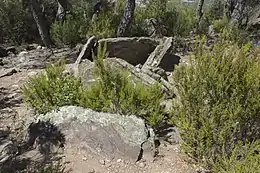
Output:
x,y
15,86
102,162
84,158
107,160
39,47
92,171
141,164
22,54
32,73
119,160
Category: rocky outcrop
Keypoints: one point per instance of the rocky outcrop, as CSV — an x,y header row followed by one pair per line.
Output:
x,y
104,134
149,70
163,56
134,50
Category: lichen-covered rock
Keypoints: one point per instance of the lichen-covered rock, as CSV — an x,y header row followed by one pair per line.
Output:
x,y
105,134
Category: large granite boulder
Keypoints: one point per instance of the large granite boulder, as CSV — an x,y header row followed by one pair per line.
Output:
x,y
107,135
134,50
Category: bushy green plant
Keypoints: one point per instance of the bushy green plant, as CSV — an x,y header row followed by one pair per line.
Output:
x,y
75,28
79,26
218,100
244,159
177,18
15,22
104,25
180,19
115,92
52,89
220,24
215,10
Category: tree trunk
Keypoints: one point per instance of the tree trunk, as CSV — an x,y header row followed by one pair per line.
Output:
x,y
239,12
228,8
199,12
64,7
127,18
41,23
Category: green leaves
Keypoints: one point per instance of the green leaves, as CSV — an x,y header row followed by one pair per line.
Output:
x,y
51,89
218,100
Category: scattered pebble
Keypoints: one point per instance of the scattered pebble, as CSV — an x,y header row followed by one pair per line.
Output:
x,y
141,164
119,160
102,162
92,171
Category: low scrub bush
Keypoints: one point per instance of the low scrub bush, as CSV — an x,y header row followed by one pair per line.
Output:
x,y
176,17
52,89
104,25
15,22
79,25
114,92
220,24
244,159
75,28
218,101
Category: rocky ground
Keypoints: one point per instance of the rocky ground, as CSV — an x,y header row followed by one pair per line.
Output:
x,y
15,70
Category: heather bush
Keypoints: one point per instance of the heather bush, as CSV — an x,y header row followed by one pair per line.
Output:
x,y
15,22
75,28
179,19
218,101
115,92
244,158
52,89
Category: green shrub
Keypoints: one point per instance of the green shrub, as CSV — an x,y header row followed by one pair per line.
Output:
x,y
220,24
116,93
74,29
218,100
215,10
177,18
15,22
244,159
79,26
52,89
104,25
180,19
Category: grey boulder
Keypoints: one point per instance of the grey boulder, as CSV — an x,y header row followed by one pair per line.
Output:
x,y
134,50
107,135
